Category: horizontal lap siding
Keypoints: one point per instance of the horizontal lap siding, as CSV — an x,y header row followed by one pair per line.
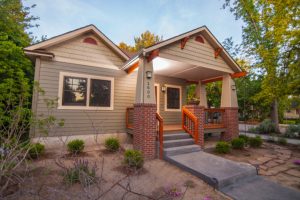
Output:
x,y
195,53
79,122
170,117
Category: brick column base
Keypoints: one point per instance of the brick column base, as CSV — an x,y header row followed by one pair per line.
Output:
x,y
231,120
199,112
144,129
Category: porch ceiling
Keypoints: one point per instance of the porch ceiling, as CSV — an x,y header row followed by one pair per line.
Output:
x,y
171,68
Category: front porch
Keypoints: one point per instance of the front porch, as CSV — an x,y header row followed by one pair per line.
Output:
x,y
164,71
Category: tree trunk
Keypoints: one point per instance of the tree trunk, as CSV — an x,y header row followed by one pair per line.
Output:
x,y
274,115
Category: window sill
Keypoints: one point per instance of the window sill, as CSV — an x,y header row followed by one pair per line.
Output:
x,y
83,108
173,110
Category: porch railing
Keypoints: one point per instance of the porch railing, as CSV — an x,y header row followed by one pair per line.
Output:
x,y
214,118
190,123
160,133
129,118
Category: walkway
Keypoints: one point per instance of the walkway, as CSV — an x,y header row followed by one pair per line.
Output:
x,y
237,180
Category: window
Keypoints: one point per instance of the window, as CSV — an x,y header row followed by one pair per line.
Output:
x,y
79,91
173,98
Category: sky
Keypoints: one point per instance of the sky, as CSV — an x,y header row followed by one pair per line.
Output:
x,y
121,20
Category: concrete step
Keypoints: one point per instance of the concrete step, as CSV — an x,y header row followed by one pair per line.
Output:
x,y
178,142
175,136
214,170
172,151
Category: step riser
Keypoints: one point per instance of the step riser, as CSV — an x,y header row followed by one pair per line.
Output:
x,y
181,151
175,137
178,143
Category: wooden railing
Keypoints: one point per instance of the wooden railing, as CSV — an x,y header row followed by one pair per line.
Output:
x,y
190,123
160,132
129,118
214,118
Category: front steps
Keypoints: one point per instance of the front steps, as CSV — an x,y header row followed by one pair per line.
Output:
x,y
177,143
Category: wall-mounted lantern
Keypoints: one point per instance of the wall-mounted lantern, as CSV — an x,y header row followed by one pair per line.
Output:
x,y
233,87
149,74
163,88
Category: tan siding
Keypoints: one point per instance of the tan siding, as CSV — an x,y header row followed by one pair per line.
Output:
x,y
170,117
87,121
75,51
195,53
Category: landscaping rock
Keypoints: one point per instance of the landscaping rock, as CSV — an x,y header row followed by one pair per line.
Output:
x,y
271,164
293,172
263,167
264,159
279,161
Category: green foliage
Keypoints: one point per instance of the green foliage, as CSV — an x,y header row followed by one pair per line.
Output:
x,y
133,158
112,144
80,172
223,147
265,127
144,40
293,131
245,138
255,141
75,146
282,141
238,143
35,150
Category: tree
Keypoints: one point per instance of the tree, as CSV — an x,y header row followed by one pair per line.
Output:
x,y
144,40
16,71
271,40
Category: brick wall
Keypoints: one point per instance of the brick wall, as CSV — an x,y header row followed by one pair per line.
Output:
x,y
144,129
199,112
231,120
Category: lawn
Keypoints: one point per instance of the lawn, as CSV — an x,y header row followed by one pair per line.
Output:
x,y
156,180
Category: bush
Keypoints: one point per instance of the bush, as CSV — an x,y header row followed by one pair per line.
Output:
x,y
35,150
76,146
265,127
223,147
134,158
293,131
80,172
255,141
112,144
282,141
238,143
245,138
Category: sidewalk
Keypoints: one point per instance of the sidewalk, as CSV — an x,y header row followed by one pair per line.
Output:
x,y
267,137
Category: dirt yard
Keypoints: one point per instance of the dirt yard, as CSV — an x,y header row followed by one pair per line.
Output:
x,y
275,162
45,180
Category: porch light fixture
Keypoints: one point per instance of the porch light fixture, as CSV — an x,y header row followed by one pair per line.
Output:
x,y
233,87
163,88
149,74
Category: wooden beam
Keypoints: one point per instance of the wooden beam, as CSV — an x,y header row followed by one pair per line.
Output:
x,y
238,74
212,80
153,55
133,67
192,82
217,52
183,42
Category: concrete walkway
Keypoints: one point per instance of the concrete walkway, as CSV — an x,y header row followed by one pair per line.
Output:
x,y
267,137
237,180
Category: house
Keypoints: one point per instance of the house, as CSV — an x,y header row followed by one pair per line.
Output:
x,y
103,91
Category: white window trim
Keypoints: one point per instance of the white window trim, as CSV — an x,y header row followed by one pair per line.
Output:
x,y
158,97
180,98
88,77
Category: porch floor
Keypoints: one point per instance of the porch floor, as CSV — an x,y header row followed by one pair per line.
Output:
x,y
173,127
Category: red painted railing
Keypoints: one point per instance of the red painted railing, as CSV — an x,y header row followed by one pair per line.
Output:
x,y
214,118
160,133
129,118
190,123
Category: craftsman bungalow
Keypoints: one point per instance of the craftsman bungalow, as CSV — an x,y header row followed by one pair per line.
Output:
x,y
101,90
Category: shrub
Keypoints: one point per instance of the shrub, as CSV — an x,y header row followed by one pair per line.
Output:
x,y
282,141
76,146
35,150
266,127
112,144
255,141
80,172
223,147
293,131
134,158
238,143
245,138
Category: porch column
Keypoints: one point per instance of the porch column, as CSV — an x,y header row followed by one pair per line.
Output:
x,y
144,117
230,104
201,94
